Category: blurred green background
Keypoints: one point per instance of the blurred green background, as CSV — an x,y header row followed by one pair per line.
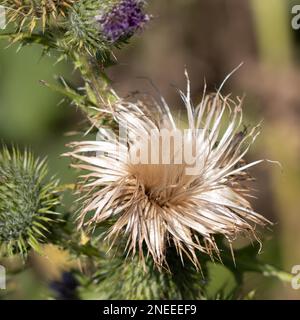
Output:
x,y
210,38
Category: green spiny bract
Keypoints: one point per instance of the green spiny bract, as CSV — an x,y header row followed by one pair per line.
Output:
x,y
30,14
27,202
118,277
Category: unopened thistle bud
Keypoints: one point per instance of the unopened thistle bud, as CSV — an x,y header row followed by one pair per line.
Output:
x,y
27,202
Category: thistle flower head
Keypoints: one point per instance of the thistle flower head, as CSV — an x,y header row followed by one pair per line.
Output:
x,y
122,20
182,192
27,201
97,26
36,13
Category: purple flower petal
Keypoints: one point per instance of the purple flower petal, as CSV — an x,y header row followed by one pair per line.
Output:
x,y
123,20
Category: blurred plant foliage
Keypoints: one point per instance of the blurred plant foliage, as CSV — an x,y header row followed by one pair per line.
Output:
x,y
81,31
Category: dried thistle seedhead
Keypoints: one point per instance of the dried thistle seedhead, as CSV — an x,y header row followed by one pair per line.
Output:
x,y
185,202
30,14
27,201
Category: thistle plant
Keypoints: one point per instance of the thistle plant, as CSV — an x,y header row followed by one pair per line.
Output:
x,y
142,229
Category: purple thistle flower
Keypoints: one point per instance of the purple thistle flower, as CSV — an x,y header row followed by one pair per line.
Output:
x,y
123,20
